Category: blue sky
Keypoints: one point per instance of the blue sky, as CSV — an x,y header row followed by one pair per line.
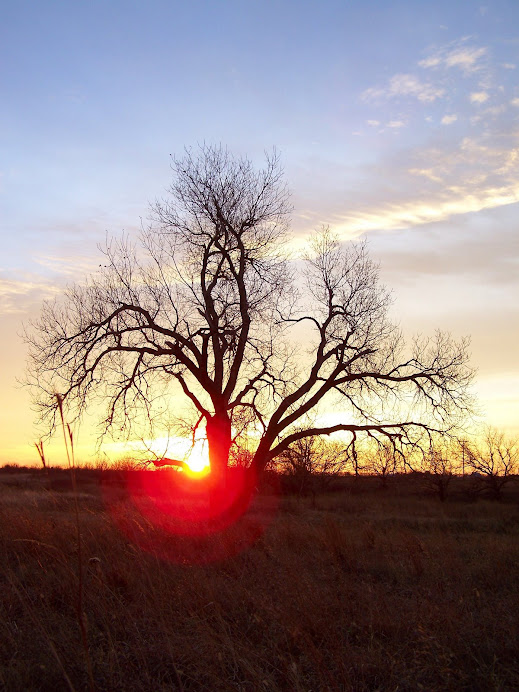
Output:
x,y
395,120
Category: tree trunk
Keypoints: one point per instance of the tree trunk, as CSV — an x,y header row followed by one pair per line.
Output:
x,y
260,458
496,487
218,429
230,491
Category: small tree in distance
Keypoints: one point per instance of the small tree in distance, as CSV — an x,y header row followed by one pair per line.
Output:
x,y
312,463
495,459
440,465
383,461
204,308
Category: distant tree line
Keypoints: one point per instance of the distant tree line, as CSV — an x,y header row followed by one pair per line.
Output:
x,y
314,465
491,462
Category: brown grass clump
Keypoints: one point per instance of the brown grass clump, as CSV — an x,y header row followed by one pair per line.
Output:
x,y
372,591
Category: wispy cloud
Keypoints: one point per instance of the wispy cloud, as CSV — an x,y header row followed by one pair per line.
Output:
x,y
479,96
463,57
495,110
17,296
449,119
428,173
464,251
422,211
70,266
458,76
405,85
435,184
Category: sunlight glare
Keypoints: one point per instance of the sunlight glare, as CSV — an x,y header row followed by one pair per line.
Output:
x,y
197,460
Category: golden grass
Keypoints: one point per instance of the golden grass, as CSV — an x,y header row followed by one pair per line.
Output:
x,y
372,591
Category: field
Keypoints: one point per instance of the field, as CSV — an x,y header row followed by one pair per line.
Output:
x,y
360,589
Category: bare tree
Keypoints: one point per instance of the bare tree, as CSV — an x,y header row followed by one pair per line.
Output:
x,y
204,307
440,465
383,461
495,458
312,463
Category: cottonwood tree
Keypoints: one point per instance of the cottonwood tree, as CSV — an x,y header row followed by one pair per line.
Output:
x,y
207,306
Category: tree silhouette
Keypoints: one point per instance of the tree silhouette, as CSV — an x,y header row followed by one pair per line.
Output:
x,y
494,458
383,461
209,307
440,465
311,463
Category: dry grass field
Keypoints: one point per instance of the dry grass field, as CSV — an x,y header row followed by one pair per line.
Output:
x,y
362,589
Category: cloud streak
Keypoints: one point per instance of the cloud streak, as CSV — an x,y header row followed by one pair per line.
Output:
x,y
433,185
404,85
422,211
17,296
465,58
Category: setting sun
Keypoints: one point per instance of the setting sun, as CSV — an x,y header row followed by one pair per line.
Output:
x,y
197,461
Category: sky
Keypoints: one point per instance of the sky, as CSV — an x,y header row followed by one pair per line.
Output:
x,y
395,121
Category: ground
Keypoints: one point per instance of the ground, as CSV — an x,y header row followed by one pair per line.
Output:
x,y
359,589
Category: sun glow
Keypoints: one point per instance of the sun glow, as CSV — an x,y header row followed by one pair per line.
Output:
x,y
196,462
191,458
175,495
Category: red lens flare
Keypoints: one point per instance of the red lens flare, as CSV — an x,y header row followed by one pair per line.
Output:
x,y
186,518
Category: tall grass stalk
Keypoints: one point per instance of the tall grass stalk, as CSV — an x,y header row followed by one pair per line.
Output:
x,y
68,438
41,454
